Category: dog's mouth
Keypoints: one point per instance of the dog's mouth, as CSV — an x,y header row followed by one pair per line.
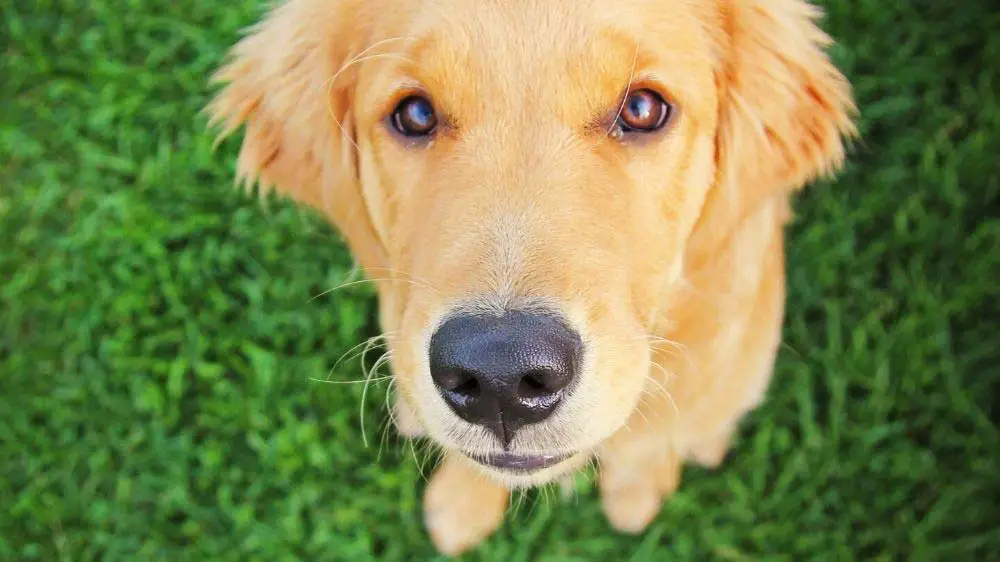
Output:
x,y
512,462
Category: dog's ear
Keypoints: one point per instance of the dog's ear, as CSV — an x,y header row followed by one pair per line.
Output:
x,y
290,82
785,108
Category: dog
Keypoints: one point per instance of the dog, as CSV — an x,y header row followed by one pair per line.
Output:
x,y
573,212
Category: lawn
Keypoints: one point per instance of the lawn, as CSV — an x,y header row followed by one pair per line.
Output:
x,y
160,344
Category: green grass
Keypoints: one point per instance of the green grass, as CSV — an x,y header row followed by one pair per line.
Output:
x,y
157,337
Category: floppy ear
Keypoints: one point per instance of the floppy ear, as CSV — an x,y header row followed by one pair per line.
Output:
x,y
290,82
785,109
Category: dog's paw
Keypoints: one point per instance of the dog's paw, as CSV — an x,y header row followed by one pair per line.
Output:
x,y
407,423
630,509
632,495
710,453
462,507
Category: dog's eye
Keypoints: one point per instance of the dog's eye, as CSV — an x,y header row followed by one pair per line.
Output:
x,y
414,117
643,111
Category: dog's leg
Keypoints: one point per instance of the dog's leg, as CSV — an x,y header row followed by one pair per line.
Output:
x,y
732,384
638,468
462,506
699,392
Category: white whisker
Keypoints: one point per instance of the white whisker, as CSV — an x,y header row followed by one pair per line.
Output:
x,y
358,381
348,284
675,347
621,107
370,341
631,75
364,391
638,410
663,389
416,462
390,422
395,273
359,58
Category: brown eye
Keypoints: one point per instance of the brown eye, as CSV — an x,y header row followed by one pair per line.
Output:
x,y
644,111
414,117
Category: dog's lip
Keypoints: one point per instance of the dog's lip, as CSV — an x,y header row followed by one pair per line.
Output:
x,y
521,462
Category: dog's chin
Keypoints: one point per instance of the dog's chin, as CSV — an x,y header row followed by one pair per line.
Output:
x,y
517,471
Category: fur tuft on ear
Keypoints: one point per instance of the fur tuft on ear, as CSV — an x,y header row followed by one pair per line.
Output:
x,y
290,82
785,108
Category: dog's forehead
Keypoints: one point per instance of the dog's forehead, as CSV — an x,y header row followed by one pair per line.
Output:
x,y
570,58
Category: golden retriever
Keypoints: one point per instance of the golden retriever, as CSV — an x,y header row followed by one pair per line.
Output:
x,y
573,211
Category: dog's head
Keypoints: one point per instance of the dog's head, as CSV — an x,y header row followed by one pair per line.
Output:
x,y
524,179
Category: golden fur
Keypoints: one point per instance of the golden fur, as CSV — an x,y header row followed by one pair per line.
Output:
x,y
665,253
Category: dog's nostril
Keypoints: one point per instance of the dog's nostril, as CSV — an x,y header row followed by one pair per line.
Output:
x,y
461,382
469,388
534,385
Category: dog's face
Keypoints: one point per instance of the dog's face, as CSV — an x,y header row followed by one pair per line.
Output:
x,y
524,179
536,189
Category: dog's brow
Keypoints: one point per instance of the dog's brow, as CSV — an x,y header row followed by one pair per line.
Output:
x,y
418,47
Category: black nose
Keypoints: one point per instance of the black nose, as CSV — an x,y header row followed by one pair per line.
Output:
x,y
504,372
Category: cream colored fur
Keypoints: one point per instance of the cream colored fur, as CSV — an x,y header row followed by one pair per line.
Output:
x,y
665,253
